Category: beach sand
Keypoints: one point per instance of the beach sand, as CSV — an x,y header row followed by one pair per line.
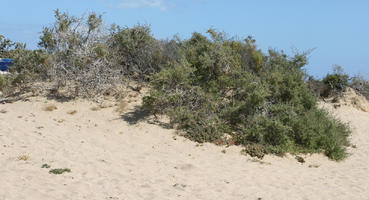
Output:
x,y
115,155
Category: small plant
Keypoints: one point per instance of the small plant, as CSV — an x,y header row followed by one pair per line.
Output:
x,y
45,166
24,157
72,112
50,108
254,150
300,159
3,111
59,171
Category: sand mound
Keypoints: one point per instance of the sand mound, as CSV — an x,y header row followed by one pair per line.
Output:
x,y
351,98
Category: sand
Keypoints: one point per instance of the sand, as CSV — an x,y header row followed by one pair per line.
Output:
x,y
115,155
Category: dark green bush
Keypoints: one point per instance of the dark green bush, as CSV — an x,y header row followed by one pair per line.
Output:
x,y
225,86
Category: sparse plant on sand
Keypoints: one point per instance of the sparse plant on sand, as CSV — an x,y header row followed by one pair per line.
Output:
x,y
24,157
45,166
59,171
72,112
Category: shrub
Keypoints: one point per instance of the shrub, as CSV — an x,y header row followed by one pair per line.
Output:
x,y
80,56
361,85
59,171
137,53
226,86
336,82
3,83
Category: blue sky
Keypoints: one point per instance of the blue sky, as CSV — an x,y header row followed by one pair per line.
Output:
x,y
337,29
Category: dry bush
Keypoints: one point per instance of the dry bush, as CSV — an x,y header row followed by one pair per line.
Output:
x,y
81,64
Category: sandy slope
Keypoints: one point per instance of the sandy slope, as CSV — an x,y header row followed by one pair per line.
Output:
x,y
115,156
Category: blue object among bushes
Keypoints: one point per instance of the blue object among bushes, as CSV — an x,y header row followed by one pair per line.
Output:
x,y
5,63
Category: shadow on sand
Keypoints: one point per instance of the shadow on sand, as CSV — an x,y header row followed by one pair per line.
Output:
x,y
141,115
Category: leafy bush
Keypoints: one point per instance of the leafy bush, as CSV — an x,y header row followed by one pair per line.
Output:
x,y
226,86
336,82
136,52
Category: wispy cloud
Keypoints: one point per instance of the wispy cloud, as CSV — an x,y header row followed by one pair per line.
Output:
x,y
161,4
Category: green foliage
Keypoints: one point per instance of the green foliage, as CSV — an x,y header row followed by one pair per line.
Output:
x,y
59,171
4,83
229,86
45,166
136,52
5,45
338,81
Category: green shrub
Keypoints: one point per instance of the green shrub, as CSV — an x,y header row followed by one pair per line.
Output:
x,y
136,51
59,171
225,86
336,82
3,83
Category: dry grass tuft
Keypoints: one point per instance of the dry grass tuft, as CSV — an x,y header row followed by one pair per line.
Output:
x,y
72,112
24,157
3,111
50,107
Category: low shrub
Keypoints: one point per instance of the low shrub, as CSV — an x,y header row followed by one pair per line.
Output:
x,y
226,86
59,171
136,52
361,85
80,58
336,82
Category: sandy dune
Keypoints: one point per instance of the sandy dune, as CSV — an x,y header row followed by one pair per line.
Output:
x,y
122,156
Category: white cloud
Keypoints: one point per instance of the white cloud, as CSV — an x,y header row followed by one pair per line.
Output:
x,y
161,4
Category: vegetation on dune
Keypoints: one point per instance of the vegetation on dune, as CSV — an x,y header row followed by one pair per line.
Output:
x,y
226,86
214,88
